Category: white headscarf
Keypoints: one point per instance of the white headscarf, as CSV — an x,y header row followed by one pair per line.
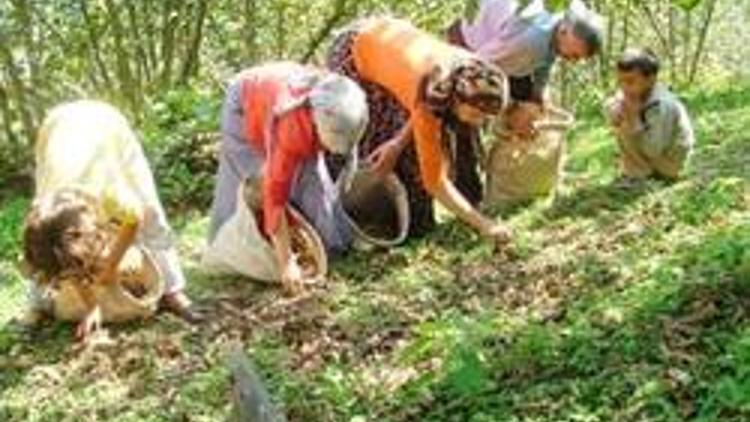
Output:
x,y
340,113
339,109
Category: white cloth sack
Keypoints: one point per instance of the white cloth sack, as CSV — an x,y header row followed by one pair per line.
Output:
x,y
239,247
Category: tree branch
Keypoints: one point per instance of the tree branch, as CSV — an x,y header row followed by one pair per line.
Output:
x,y
339,11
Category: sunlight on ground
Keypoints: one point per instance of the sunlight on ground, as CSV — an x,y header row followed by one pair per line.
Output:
x,y
619,304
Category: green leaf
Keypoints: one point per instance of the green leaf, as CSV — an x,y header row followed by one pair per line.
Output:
x,y
557,5
467,374
551,5
686,4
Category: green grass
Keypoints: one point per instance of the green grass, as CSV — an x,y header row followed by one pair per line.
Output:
x,y
620,305
11,284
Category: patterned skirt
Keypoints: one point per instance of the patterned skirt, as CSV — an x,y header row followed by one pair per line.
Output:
x,y
387,118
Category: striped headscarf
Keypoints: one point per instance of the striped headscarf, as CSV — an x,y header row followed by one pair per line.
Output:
x,y
468,80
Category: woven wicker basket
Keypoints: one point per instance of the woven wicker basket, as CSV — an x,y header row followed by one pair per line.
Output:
x,y
307,245
117,303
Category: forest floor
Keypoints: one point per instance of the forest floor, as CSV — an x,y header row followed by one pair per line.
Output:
x,y
620,304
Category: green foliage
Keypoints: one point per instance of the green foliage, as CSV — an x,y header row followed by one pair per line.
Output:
x,y
12,215
687,4
731,393
701,202
181,139
621,304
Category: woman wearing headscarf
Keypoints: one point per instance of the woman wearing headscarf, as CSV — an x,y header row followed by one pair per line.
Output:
x,y
91,173
277,121
419,87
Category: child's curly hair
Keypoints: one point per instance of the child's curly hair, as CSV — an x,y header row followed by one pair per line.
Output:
x,y
64,236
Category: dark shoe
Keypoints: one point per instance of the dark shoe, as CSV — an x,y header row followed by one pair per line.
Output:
x,y
180,305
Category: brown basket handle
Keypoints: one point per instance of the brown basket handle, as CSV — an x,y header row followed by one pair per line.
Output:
x,y
556,119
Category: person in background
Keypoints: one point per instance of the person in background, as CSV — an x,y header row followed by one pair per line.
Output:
x,y
424,90
526,42
278,120
653,128
90,172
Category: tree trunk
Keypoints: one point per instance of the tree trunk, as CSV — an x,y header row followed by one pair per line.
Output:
x,y
7,115
654,22
281,30
169,19
251,32
18,91
702,41
672,51
93,35
191,64
143,67
339,11
125,78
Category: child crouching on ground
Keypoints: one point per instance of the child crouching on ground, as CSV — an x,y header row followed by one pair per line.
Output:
x,y
653,129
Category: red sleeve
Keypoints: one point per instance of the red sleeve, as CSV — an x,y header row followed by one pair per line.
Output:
x,y
295,143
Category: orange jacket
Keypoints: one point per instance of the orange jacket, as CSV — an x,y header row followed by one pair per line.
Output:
x,y
395,55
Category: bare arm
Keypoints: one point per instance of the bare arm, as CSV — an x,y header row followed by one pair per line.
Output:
x,y
405,136
450,197
384,158
93,318
434,168
291,275
281,243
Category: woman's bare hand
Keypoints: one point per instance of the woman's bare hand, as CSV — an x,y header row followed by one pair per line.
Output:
x,y
292,280
384,158
90,323
499,233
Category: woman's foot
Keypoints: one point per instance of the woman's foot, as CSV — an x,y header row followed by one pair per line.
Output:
x,y
178,303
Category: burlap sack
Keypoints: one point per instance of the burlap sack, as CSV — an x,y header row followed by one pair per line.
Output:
x,y
135,295
522,170
377,209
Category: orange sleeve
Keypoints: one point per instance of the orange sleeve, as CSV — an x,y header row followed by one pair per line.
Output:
x,y
429,151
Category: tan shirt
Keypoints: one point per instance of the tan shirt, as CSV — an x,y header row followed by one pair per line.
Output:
x,y
659,137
